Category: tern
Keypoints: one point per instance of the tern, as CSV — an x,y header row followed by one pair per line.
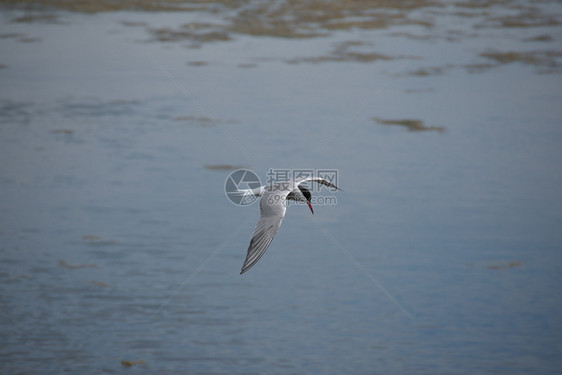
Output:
x,y
273,204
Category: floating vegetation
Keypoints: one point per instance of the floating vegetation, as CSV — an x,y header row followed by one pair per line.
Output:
x,y
11,35
195,32
29,40
425,72
265,20
23,38
503,265
413,36
223,167
355,56
540,38
199,121
31,18
510,57
342,52
63,263
197,63
96,6
132,363
282,19
525,18
63,131
411,125
540,59
478,68
134,24
316,18
96,107
305,19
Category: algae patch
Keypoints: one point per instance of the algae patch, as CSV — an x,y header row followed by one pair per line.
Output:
x,y
197,63
132,363
203,121
345,52
411,125
62,263
223,167
63,131
430,71
545,61
99,283
504,266
195,32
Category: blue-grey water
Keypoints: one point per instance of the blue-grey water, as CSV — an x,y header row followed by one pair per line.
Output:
x,y
120,253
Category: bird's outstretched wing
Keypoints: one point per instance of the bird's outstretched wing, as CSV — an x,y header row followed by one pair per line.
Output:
x,y
272,210
320,180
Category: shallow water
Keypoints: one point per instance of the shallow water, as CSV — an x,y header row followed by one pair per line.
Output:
x,y
118,130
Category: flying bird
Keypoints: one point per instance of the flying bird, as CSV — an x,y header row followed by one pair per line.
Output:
x,y
273,204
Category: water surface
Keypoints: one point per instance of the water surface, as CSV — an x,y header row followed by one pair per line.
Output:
x,y
121,253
